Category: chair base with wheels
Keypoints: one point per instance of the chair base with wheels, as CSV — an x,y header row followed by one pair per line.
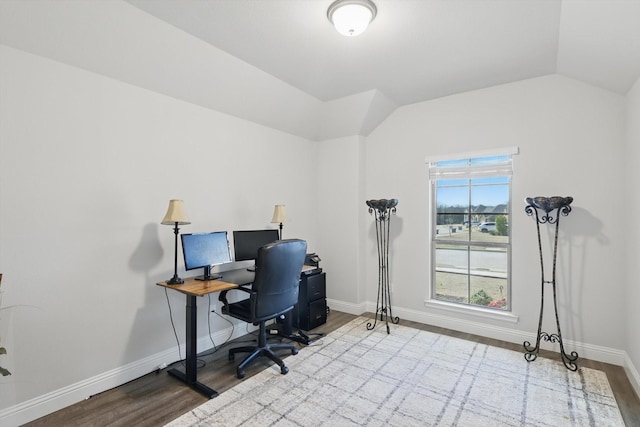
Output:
x,y
263,349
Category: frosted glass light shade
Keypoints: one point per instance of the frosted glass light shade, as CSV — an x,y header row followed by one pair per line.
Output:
x,y
175,213
351,17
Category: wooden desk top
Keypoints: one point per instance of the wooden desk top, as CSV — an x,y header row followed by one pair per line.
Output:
x,y
200,288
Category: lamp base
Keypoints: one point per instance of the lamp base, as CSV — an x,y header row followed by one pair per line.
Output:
x,y
175,280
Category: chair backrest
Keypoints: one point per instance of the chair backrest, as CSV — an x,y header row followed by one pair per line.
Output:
x,y
277,279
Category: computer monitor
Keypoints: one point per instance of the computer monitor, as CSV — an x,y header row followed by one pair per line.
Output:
x,y
204,250
247,242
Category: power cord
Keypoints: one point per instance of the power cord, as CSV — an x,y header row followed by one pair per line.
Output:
x,y
228,339
216,348
173,326
233,327
209,326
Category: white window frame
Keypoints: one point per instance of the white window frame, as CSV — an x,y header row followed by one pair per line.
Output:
x,y
452,173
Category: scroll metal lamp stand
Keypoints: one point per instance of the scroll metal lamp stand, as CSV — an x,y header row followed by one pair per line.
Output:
x,y
382,210
543,208
175,216
279,216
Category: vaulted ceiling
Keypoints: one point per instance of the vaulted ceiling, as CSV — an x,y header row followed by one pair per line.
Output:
x,y
416,50
280,63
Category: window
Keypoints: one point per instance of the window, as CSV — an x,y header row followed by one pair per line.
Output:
x,y
471,243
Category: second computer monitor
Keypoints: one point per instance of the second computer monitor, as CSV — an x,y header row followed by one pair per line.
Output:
x,y
247,242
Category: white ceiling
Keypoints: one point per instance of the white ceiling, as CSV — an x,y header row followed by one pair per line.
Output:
x,y
416,50
280,63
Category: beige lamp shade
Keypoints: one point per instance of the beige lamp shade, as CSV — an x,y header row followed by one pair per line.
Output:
x,y
279,215
176,214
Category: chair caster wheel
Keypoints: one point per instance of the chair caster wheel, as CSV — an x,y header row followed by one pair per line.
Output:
x,y
240,374
294,351
284,370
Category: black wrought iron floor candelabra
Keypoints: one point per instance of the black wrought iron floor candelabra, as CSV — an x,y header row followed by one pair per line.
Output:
x,y
382,210
561,207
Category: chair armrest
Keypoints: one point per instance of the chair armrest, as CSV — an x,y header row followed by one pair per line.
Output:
x,y
223,295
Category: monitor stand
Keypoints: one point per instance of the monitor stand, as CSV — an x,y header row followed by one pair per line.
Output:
x,y
207,275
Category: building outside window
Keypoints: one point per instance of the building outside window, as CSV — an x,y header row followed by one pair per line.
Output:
x,y
470,230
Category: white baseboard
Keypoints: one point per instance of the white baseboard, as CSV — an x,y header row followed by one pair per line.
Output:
x,y
588,351
346,307
632,374
40,406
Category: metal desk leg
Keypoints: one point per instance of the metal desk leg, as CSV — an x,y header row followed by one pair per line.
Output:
x,y
191,369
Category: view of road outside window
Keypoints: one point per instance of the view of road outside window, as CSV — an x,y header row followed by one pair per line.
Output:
x,y
471,242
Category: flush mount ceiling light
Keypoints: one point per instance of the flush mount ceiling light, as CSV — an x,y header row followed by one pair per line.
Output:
x,y
351,17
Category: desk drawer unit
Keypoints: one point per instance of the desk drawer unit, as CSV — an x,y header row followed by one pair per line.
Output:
x,y
311,310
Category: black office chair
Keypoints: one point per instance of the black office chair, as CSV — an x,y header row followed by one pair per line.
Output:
x,y
274,292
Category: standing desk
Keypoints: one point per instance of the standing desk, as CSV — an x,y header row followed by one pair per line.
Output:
x,y
193,288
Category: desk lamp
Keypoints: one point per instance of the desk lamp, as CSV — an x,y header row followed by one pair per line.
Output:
x,y
175,216
279,216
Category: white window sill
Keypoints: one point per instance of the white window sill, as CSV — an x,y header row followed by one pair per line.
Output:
x,y
486,313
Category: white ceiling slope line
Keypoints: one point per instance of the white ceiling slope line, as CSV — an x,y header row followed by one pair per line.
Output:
x,y
380,108
352,115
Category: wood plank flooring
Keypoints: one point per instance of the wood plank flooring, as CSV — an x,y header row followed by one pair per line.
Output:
x,y
158,398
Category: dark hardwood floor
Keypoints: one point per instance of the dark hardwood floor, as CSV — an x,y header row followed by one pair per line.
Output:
x,y
157,398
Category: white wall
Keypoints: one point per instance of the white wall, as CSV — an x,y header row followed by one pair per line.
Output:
x,y
339,180
632,210
570,140
87,167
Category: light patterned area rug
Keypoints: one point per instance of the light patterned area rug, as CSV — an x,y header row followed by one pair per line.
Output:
x,y
356,377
